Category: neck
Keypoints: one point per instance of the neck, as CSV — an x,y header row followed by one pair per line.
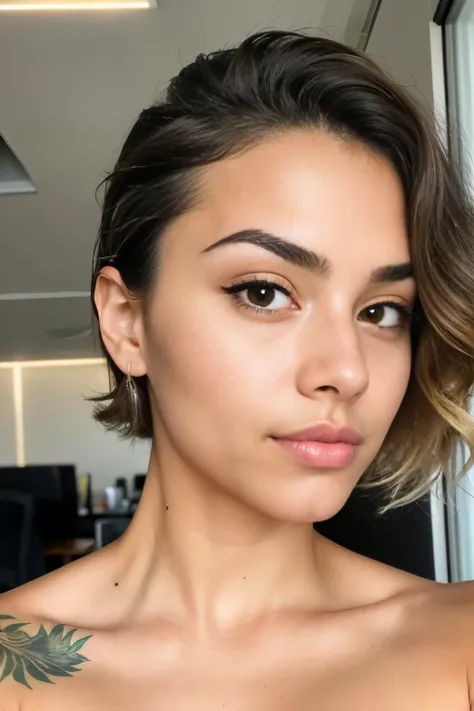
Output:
x,y
201,558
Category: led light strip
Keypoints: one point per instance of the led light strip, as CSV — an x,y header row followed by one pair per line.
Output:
x,y
52,363
45,294
29,7
66,362
18,407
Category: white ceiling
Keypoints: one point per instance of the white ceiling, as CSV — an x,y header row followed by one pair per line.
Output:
x,y
71,86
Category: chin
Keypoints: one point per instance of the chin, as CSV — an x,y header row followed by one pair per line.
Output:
x,y
298,504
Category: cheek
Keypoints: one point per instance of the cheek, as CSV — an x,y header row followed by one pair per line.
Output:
x,y
390,377
207,383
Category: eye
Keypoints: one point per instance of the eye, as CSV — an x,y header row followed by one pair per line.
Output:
x,y
260,295
388,315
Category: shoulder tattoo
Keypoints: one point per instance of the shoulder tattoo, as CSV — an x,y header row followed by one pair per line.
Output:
x,y
25,657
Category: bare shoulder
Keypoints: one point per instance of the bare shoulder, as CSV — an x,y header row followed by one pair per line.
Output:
x,y
456,606
420,610
44,633
422,628
70,594
34,652
440,617
451,607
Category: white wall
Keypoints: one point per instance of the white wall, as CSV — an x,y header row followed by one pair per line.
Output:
x,y
400,42
343,20
58,426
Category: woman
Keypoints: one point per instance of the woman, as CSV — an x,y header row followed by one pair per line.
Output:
x,y
282,279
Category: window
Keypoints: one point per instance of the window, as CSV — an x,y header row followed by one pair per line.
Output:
x,y
459,66
456,17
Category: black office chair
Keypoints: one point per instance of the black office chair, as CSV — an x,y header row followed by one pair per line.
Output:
x,y
54,490
21,550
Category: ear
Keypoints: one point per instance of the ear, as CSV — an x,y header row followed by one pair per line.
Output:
x,y
120,322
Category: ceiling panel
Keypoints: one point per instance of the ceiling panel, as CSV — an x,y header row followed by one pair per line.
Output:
x,y
25,326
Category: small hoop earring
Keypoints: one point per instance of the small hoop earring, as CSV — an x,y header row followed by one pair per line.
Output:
x,y
132,391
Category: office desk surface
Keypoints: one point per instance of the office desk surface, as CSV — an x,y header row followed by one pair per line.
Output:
x,y
69,549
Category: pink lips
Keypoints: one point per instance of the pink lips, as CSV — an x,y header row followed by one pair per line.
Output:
x,y
323,446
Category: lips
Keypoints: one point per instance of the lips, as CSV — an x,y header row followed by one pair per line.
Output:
x,y
323,446
325,432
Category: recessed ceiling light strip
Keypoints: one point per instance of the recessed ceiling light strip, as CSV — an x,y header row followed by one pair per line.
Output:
x,y
46,295
37,6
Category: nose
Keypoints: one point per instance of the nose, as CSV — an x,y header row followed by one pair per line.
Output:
x,y
333,361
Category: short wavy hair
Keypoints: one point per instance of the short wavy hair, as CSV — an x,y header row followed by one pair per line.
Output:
x,y
225,102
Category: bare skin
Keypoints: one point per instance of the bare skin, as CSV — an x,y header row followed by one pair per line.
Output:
x,y
220,594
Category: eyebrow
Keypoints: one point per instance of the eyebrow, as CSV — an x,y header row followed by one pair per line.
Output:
x,y
306,258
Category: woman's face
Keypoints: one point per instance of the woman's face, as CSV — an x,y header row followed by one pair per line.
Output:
x,y
230,372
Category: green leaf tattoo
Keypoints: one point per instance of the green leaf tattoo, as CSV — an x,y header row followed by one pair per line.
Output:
x,y
39,657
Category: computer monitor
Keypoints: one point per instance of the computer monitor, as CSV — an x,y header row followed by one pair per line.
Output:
x,y
54,490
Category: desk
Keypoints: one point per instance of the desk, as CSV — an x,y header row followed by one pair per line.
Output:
x,y
72,548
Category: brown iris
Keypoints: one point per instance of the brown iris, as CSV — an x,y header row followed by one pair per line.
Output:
x,y
375,313
262,296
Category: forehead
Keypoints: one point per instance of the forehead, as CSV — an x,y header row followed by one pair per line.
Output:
x,y
331,195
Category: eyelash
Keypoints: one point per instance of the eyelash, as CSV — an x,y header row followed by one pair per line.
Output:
x,y
234,291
